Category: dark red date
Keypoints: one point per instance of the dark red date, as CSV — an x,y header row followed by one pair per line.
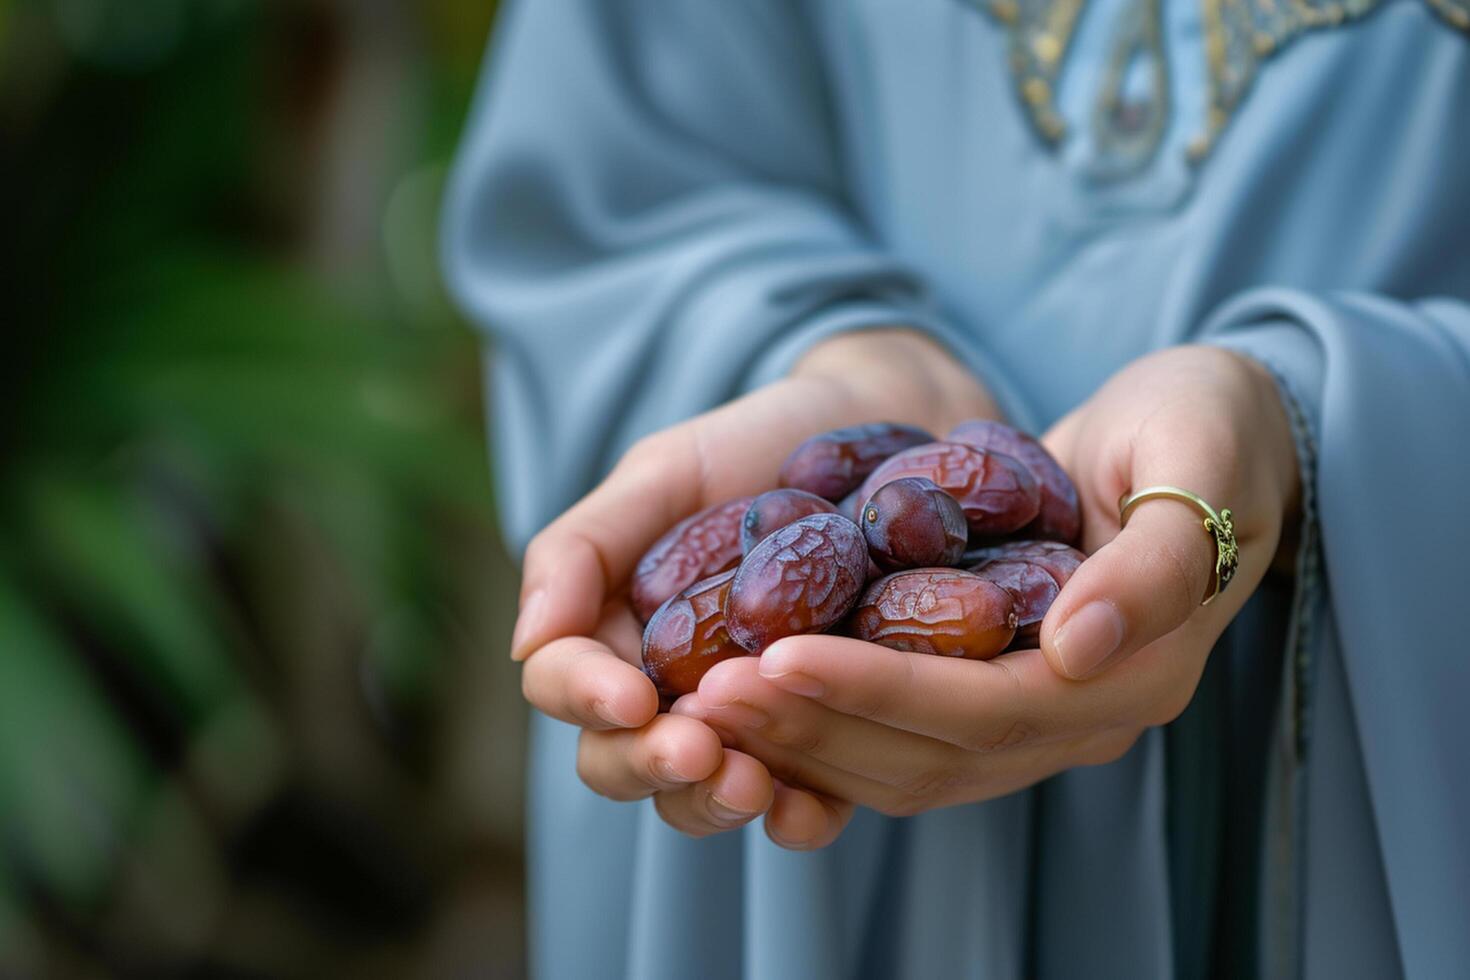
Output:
x,y
834,464
774,509
1035,573
943,611
695,548
802,579
687,636
1059,559
1033,589
911,523
1059,517
996,492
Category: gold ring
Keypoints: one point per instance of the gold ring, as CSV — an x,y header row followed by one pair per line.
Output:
x,y
1219,526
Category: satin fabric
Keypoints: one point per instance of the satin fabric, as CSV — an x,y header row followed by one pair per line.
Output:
x,y
658,206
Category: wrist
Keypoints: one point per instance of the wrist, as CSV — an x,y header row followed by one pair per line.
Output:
x,y
898,374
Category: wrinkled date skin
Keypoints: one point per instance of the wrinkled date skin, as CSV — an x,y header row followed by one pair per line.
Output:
x,y
943,611
1034,572
1059,559
996,492
1059,518
802,579
834,464
774,509
687,636
911,523
695,548
1033,589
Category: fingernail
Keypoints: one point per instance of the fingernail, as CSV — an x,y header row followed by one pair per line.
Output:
x,y
776,666
604,711
803,684
1088,638
665,770
527,623
726,813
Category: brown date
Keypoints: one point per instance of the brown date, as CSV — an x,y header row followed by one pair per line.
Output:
x,y
942,611
774,509
1059,517
996,492
911,523
834,464
687,636
801,579
695,548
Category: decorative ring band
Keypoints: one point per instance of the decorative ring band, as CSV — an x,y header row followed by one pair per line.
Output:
x,y
1219,526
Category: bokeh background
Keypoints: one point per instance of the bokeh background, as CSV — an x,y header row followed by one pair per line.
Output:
x,y
255,714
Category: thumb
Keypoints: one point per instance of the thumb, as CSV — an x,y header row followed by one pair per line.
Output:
x,y
1138,587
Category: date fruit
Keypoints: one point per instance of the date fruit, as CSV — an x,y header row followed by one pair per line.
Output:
x,y
687,636
942,611
834,464
1034,572
996,492
1033,589
1059,559
911,523
1059,517
801,579
695,548
774,509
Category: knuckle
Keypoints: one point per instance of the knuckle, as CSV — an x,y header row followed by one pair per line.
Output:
x,y
874,700
1006,728
995,738
796,736
1187,575
932,784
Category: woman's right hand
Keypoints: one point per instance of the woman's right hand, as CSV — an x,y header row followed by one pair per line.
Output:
x,y
577,633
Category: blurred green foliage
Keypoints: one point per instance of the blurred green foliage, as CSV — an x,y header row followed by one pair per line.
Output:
x,y
246,553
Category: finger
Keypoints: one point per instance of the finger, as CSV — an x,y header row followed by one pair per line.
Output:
x,y
1144,583
795,767
739,791
581,681
978,705
621,632
800,820
573,565
734,696
668,753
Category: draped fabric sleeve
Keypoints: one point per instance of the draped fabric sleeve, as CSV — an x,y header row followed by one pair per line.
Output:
x,y
1383,387
648,217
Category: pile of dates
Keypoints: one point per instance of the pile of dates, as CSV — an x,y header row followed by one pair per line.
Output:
x,y
953,546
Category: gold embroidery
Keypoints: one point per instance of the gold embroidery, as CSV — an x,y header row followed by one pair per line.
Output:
x,y
1128,128
1239,36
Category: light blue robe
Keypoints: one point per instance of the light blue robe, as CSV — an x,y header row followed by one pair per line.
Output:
x,y
660,205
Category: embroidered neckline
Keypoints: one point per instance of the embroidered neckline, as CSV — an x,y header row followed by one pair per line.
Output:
x,y
1239,36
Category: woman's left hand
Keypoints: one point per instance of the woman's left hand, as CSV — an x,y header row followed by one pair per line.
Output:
x,y
1122,648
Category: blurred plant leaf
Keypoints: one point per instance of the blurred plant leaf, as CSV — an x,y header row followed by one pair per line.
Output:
x,y
69,776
